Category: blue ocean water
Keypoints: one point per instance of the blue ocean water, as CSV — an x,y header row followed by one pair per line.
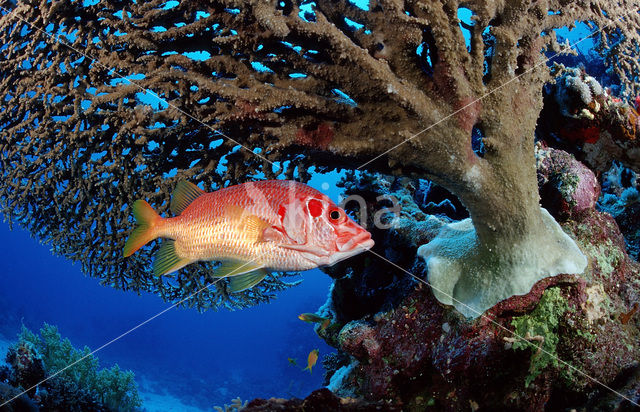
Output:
x,y
182,358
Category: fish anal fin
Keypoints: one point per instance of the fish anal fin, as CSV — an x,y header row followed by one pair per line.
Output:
x,y
166,259
183,195
230,268
246,280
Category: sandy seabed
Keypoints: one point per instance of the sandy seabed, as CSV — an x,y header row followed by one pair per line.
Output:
x,y
157,402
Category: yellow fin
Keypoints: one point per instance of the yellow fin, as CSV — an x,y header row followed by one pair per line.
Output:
x,y
252,226
235,267
183,195
167,260
246,280
145,231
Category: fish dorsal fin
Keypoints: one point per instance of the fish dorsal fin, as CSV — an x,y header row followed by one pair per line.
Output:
x,y
253,226
166,259
246,280
182,196
235,268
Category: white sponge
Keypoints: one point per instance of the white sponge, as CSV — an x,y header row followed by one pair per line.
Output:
x,y
473,278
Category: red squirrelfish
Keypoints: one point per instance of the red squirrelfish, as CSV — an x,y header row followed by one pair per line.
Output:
x,y
252,228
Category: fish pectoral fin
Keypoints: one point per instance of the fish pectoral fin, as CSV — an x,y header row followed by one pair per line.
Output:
x,y
304,248
255,228
246,280
166,259
230,268
252,226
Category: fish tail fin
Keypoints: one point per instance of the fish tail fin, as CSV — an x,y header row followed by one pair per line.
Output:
x,y
146,230
308,368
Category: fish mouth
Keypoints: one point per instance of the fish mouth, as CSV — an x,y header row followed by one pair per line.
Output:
x,y
354,246
367,244
357,243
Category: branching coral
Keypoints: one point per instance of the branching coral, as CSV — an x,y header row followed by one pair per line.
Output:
x,y
236,406
325,78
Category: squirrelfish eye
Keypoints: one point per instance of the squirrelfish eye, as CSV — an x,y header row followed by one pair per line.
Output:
x,y
335,214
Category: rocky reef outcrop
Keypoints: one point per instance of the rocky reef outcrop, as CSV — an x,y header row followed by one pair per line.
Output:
x,y
320,400
572,342
45,372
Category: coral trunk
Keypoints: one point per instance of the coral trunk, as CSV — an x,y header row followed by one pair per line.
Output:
x,y
507,245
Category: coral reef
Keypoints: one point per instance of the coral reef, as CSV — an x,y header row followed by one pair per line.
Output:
x,y
621,199
26,366
236,406
151,93
81,387
541,325
541,350
603,131
590,121
567,186
318,401
21,403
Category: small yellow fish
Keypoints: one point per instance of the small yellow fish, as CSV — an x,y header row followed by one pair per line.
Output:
x,y
324,324
313,318
312,359
292,361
